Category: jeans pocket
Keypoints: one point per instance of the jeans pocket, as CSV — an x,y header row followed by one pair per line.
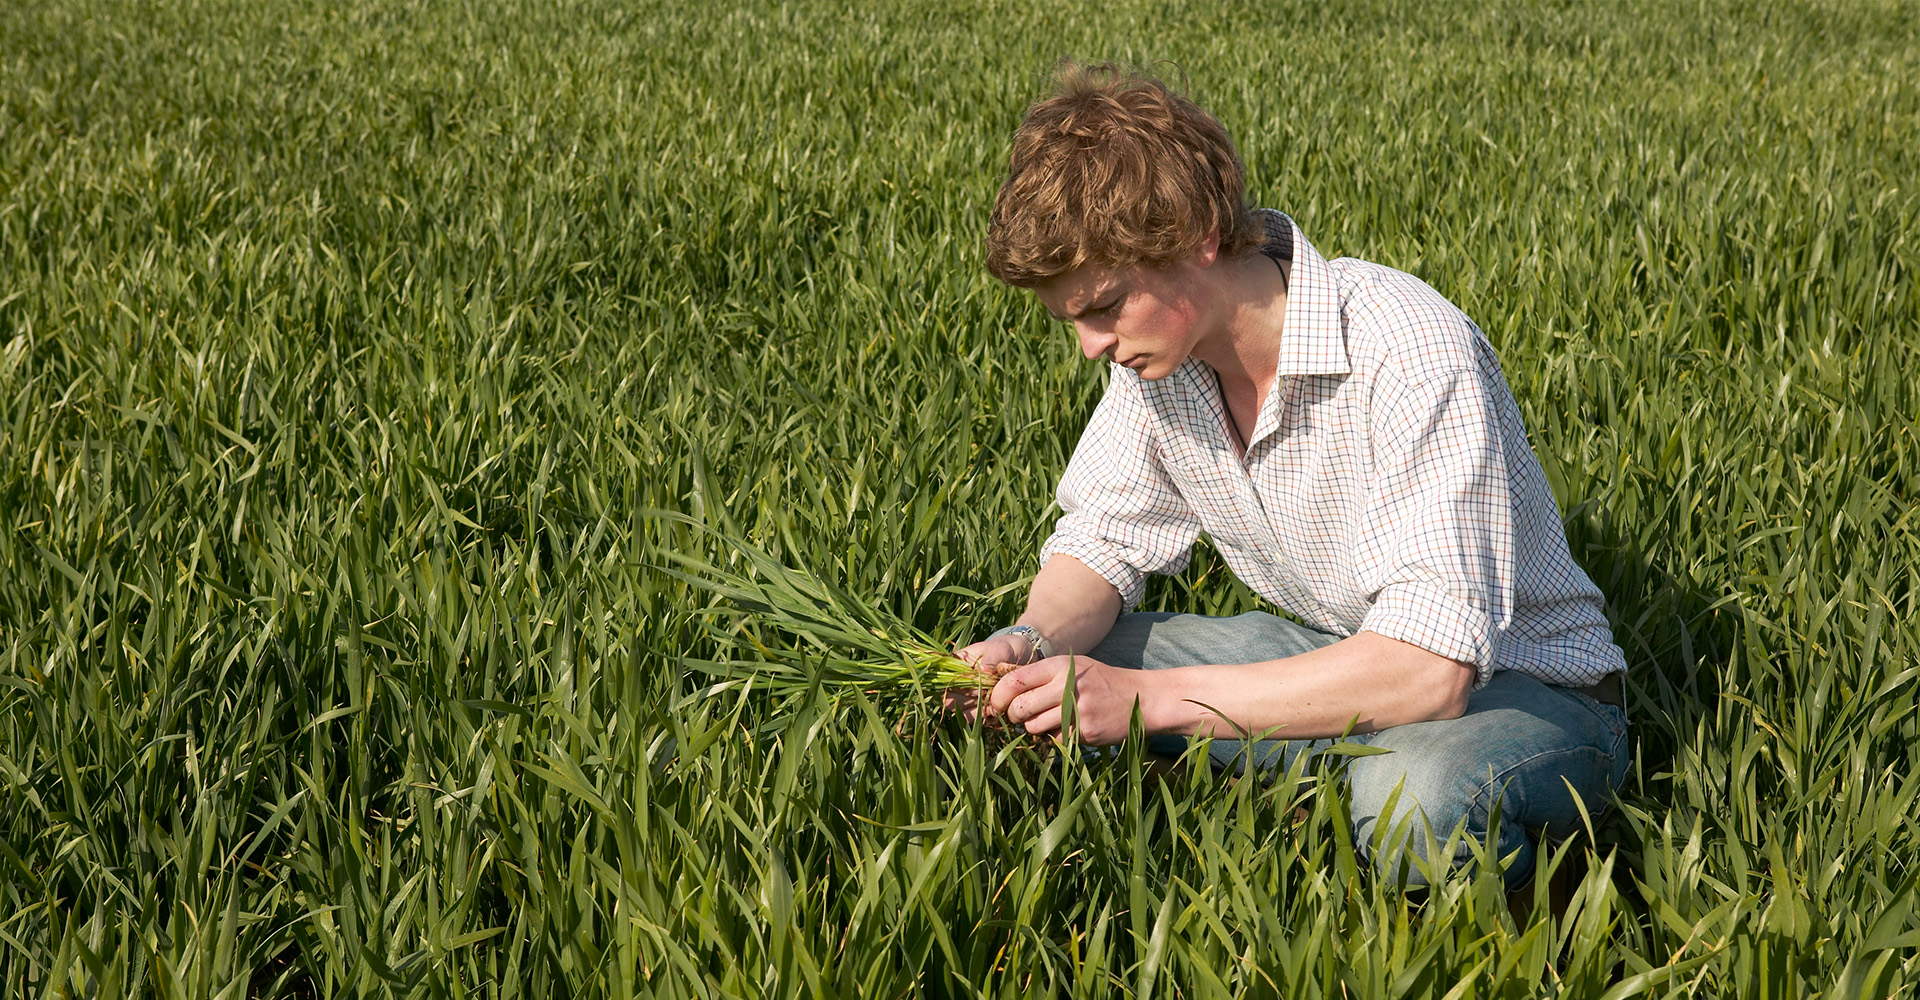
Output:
x,y
1612,717
1611,739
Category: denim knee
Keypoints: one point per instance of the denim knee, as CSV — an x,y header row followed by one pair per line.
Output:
x,y
1405,814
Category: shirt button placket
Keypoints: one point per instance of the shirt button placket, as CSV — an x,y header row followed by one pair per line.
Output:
x,y
1279,569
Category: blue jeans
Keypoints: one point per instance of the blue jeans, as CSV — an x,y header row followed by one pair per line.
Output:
x,y
1519,746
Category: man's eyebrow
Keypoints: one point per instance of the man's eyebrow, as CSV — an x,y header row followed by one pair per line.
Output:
x,y
1106,295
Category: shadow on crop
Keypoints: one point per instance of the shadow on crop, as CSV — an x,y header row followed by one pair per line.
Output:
x,y
1678,637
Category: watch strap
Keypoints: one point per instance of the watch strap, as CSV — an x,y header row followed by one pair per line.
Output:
x,y
1035,641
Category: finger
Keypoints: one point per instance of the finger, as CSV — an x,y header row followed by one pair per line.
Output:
x,y
1034,702
1047,723
972,704
1017,683
1000,697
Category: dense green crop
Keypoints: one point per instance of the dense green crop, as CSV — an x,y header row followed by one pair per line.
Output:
x,y
344,349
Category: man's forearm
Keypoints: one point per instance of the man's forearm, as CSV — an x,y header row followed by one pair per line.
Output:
x,y
1071,605
1367,681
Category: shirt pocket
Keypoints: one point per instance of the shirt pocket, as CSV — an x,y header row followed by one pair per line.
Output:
x,y
1208,485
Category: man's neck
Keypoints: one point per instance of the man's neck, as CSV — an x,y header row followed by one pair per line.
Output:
x,y
1252,297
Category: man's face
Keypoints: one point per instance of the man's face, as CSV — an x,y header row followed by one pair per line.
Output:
x,y
1145,318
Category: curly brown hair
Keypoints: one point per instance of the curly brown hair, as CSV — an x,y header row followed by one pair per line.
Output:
x,y
1116,169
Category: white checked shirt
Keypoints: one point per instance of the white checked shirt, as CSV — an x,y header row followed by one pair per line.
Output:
x,y
1387,487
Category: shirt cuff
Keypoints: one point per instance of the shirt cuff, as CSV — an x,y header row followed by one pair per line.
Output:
x,y
1437,622
1103,558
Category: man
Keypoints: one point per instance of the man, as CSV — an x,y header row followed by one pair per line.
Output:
x,y
1347,439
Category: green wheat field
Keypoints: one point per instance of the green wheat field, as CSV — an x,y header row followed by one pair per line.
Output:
x,y
354,358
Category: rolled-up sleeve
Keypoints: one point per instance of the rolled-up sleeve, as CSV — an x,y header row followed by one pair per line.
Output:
x,y
1442,521
1123,517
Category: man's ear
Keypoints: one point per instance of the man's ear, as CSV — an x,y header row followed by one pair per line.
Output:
x,y
1209,250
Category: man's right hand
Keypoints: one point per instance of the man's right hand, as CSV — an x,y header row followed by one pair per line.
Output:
x,y
1014,649
1071,604
985,655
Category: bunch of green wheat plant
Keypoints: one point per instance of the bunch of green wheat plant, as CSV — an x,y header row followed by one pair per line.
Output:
x,y
808,631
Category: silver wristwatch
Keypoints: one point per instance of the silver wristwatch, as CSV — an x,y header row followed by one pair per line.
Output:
x,y
1035,641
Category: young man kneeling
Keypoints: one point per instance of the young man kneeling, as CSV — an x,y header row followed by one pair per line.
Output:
x,y
1347,439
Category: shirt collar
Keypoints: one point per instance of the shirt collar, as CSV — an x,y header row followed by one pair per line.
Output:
x,y
1313,341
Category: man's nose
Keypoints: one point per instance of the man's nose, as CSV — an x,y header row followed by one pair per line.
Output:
x,y
1093,344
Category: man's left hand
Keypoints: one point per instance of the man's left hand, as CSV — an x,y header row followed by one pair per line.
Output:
x,y
1033,698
